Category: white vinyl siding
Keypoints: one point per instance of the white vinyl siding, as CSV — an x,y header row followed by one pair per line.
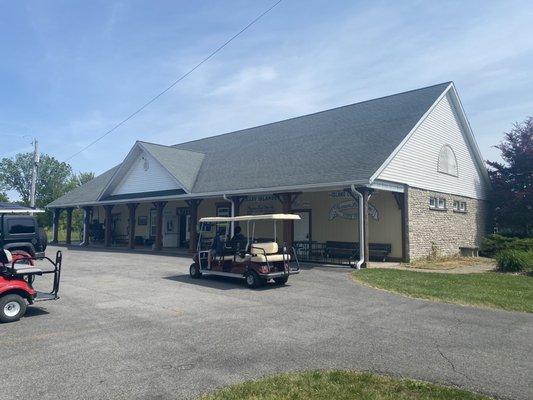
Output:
x,y
416,163
138,180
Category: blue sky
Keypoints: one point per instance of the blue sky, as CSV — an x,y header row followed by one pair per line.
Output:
x,y
70,70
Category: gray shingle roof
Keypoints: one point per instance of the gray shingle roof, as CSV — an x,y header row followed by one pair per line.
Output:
x,y
345,144
87,193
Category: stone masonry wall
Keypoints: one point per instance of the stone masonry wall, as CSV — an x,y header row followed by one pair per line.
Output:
x,y
444,231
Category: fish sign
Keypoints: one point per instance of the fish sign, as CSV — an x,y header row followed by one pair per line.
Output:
x,y
350,210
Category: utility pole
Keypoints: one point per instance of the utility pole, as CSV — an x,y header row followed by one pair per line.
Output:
x,y
34,172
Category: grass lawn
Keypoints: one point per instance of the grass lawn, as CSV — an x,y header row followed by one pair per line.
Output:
x,y
492,289
62,235
338,385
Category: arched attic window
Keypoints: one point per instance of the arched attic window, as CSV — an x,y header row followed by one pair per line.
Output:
x,y
447,163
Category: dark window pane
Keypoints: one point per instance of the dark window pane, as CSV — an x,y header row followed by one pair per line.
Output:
x,y
20,225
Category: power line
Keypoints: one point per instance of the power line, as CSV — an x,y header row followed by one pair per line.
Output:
x,y
211,55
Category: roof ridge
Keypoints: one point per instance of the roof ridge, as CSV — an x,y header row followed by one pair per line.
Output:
x,y
171,147
447,83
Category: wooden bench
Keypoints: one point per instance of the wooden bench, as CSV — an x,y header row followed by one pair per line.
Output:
x,y
350,250
469,251
380,250
116,239
341,250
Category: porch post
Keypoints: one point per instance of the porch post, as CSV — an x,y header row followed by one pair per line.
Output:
x,y
193,221
159,206
405,225
108,224
55,237
86,222
132,207
366,196
287,200
68,239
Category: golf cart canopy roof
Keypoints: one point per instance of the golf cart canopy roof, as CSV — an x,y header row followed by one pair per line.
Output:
x,y
264,217
13,208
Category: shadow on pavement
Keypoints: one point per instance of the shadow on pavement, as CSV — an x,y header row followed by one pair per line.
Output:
x,y
220,282
35,312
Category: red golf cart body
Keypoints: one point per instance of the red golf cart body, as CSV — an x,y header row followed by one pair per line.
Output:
x,y
17,274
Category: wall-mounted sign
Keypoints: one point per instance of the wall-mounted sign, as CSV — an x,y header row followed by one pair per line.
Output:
x,y
142,220
267,197
256,209
349,209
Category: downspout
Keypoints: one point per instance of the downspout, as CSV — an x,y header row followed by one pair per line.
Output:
x,y
232,229
361,227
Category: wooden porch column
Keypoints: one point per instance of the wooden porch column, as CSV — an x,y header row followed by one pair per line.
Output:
x,y
366,196
68,239
159,206
57,214
405,225
193,221
86,223
108,224
132,207
287,200
402,203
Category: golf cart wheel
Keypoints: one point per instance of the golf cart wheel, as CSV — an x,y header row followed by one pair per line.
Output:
x,y
12,307
282,280
194,270
253,280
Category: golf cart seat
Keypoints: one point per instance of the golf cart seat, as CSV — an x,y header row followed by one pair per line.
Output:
x,y
263,252
238,258
6,258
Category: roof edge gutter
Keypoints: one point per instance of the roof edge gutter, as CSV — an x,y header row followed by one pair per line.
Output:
x,y
269,190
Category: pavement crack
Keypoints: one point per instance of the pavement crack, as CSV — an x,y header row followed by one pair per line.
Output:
x,y
450,362
444,357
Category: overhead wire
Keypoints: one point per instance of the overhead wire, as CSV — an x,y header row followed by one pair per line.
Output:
x,y
185,75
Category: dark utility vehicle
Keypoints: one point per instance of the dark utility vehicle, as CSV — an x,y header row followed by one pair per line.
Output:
x,y
20,233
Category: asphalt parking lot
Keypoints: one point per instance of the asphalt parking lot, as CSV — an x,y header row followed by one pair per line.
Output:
x,y
135,326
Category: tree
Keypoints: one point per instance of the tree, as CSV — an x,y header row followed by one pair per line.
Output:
x,y
82,178
3,194
512,181
52,180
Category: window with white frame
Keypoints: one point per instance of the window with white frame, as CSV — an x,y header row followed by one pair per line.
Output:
x,y
459,206
437,203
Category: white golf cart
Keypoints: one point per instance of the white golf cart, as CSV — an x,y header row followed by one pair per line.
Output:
x,y
256,260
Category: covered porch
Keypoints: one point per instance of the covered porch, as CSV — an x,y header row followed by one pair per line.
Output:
x,y
328,231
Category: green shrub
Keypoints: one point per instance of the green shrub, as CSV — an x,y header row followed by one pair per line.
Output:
x,y
515,261
494,244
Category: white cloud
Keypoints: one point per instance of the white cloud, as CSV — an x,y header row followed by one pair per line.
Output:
x,y
246,80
